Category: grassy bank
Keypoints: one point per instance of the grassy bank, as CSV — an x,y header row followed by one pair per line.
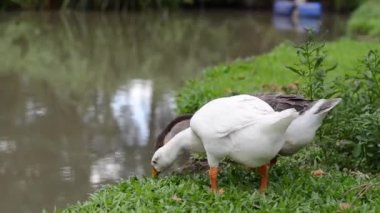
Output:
x,y
352,133
267,72
292,188
365,21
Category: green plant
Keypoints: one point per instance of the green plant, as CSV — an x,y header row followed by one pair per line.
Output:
x,y
311,67
371,77
358,126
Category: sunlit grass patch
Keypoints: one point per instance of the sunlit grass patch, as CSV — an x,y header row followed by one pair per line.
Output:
x,y
366,20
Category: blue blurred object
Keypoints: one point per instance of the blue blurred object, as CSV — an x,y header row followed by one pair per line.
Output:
x,y
312,9
285,23
308,9
283,7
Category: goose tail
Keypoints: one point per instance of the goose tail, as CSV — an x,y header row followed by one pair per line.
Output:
x,y
323,106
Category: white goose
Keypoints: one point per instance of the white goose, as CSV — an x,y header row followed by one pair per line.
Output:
x,y
243,128
300,132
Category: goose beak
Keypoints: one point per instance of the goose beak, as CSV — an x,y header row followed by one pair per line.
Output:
x,y
155,173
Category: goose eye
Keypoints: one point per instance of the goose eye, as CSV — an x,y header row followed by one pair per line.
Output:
x,y
154,162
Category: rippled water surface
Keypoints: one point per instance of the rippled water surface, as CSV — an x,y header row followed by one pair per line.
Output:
x,y
83,95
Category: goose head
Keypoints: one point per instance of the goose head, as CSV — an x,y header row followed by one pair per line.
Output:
x,y
303,129
159,162
165,156
184,141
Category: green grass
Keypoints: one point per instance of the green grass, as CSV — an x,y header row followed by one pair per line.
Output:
x,y
249,75
366,20
292,188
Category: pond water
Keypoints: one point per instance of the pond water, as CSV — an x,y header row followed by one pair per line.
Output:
x,y
83,95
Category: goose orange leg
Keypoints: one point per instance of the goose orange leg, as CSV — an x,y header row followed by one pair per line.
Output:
x,y
264,169
213,173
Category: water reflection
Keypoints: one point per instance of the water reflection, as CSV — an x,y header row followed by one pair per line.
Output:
x,y
7,146
33,111
82,96
300,25
133,102
107,168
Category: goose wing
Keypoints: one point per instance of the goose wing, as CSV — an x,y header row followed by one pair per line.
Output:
x,y
223,116
282,102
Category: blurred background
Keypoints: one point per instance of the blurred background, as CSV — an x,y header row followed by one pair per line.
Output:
x,y
87,85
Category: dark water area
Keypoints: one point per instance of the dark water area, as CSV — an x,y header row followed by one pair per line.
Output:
x,y
83,95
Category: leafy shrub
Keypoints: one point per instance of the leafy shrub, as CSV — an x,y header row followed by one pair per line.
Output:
x,y
357,126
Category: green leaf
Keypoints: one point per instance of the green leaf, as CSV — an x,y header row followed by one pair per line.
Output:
x,y
357,150
295,70
318,62
333,67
